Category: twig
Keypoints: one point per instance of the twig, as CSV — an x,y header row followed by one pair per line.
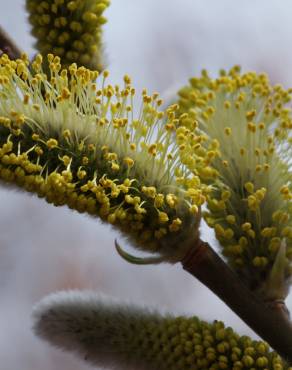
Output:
x,y
271,322
8,46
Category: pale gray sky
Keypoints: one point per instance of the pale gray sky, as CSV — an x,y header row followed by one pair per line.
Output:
x,y
160,43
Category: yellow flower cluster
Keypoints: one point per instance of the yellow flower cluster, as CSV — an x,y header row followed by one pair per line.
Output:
x,y
73,142
70,29
247,128
109,334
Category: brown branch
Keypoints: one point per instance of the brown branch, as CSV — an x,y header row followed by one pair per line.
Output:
x,y
8,46
271,322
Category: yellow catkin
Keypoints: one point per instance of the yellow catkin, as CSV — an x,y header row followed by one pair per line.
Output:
x,y
250,164
74,150
76,37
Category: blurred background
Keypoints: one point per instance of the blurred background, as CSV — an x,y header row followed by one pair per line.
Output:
x,y
43,249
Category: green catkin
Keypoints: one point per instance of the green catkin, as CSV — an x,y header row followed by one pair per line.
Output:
x,y
122,337
76,142
69,29
246,126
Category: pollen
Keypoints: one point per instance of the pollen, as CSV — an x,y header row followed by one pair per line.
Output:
x,y
249,186
163,217
227,131
52,143
129,162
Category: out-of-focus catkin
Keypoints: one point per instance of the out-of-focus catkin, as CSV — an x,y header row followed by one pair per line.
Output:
x,y
71,30
119,336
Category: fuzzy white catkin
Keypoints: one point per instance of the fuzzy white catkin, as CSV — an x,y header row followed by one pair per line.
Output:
x,y
125,337
86,323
